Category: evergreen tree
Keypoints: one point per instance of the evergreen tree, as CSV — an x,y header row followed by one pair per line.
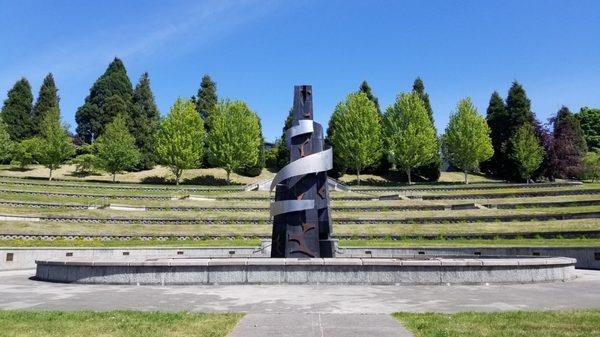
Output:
x,y
569,145
109,96
410,135
431,171
234,139
357,138
283,153
16,111
366,89
144,122
467,139
47,102
497,120
589,120
206,101
6,144
56,144
116,148
527,152
180,141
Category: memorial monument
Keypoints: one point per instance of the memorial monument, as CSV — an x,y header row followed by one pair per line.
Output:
x,y
301,218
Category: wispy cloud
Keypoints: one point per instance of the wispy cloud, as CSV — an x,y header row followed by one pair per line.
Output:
x,y
174,31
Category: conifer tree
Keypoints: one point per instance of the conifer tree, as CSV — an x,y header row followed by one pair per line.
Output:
x,y
144,122
366,89
16,111
56,145
467,139
283,153
410,135
234,139
206,101
589,120
431,171
47,102
109,96
181,137
497,120
569,145
116,148
357,138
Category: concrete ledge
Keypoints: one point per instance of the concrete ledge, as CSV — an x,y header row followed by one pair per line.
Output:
x,y
428,270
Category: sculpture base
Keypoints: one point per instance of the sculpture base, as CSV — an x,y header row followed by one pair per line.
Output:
x,y
374,271
328,247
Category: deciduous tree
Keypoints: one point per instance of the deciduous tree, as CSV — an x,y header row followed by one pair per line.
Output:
x,y
56,145
181,137
234,138
430,171
116,148
409,133
527,152
357,137
568,145
6,144
467,139
590,124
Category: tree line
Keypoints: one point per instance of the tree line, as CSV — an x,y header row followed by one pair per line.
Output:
x,y
119,128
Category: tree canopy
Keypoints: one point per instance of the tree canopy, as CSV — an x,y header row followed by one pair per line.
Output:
x,y
16,111
116,148
109,96
46,103
144,121
410,135
467,139
357,137
527,153
55,141
6,144
181,137
589,119
569,145
430,171
206,102
234,138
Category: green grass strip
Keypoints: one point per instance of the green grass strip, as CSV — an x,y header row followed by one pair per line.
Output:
x,y
130,243
115,324
581,323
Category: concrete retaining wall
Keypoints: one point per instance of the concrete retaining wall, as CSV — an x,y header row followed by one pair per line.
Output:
x,y
309,271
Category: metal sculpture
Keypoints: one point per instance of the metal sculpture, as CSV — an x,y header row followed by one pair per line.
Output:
x,y
301,219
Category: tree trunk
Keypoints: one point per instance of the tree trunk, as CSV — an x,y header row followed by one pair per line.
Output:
x,y
357,177
177,180
466,177
228,178
408,175
50,176
114,177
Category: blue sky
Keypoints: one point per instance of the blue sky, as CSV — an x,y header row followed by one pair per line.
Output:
x,y
257,50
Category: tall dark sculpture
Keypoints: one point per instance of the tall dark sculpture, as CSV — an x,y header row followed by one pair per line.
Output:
x,y
301,219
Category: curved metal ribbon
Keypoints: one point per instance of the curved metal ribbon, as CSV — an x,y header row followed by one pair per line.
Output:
x,y
304,126
286,206
314,163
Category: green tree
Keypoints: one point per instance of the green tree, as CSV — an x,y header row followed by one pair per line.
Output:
x,y
56,146
366,89
568,146
6,144
497,120
430,171
527,152
109,96
467,139
116,148
26,152
410,135
143,122
180,141
357,138
592,163
283,153
206,102
46,103
256,169
590,124
16,111
235,138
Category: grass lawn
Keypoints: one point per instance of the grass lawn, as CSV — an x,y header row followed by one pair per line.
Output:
x,y
471,242
582,323
131,243
115,323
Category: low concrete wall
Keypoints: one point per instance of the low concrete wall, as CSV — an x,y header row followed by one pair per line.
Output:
x,y
309,271
587,257
24,258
